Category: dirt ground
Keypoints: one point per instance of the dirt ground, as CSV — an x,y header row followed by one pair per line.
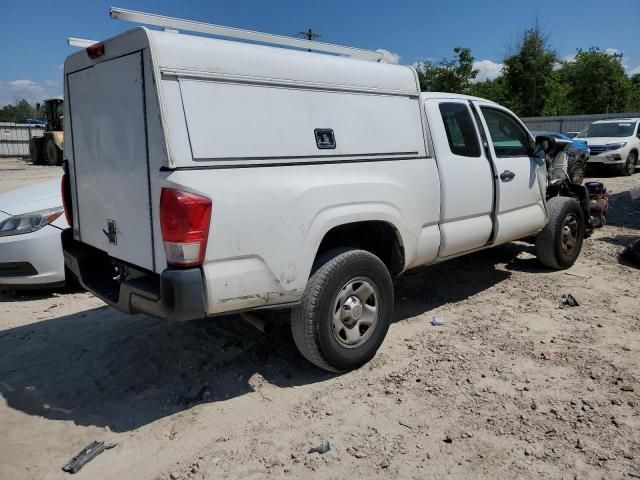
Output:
x,y
513,385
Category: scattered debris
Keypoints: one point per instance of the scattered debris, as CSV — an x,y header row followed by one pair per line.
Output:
x,y
437,321
547,355
87,454
570,300
405,423
580,444
579,275
173,432
627,388
324,447
634,474
448,439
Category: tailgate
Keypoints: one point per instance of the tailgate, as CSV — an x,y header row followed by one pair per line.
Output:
x,y
107,118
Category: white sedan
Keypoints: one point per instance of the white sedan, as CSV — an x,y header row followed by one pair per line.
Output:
x,y
31,221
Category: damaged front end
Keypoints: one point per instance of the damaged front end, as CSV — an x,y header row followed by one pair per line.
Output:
x,y
592,197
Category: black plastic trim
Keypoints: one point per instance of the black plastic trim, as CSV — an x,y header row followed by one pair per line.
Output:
x,y
17,269
290,164
172,295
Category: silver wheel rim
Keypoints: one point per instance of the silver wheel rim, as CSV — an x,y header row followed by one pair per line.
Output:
x,y
569,234
631,163
355,312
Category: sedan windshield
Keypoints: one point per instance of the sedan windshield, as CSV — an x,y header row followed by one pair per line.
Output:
x,y
609,129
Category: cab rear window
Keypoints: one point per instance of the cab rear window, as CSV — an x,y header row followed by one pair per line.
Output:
x,y
461,131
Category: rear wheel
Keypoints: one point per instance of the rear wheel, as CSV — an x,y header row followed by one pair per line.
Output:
x,y
53,153
559,243
629,166
345,311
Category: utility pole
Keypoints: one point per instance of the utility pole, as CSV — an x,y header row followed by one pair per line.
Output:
x,y
309,35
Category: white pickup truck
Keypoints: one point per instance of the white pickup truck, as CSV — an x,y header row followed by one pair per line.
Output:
x,y
207,176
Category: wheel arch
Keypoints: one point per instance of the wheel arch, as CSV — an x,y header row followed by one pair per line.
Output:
x,y
379,237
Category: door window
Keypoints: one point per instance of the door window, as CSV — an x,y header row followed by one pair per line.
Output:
x,y
507,135
461,132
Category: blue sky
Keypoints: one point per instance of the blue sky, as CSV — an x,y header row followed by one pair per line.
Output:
x,y
33,34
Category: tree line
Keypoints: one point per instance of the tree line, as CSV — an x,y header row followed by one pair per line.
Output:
x,y
20,112
535,82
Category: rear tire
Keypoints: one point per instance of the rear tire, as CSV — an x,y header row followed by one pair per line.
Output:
x,y
53,153
629,166
559,243
345,311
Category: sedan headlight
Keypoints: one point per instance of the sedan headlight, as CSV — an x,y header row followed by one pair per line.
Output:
x,y
615,146
29,222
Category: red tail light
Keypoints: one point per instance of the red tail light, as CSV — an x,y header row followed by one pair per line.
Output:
x,y
95,51
66,198
184,221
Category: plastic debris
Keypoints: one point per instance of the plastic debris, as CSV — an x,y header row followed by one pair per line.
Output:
x,y
87,454
324,447
570,300
437,321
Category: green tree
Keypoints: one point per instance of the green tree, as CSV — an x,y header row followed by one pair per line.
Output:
x,y
527,72
633,101
449,75
597,82
494,90
558,101
17,113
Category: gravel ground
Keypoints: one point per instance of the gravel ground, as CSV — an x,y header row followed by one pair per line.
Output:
x,y
513,385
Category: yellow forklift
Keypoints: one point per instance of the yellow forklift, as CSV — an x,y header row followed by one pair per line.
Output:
x,y
48,148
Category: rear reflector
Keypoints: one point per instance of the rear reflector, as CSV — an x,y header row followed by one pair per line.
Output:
x,y
95,51
184,221
66,198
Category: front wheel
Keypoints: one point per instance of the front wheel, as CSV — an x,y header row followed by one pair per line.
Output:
x,y
629,166
34,153
345,311
559,243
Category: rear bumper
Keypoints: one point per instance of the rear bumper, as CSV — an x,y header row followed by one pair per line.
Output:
x,y
172,295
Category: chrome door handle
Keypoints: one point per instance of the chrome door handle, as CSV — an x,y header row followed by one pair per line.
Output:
x,y
507,176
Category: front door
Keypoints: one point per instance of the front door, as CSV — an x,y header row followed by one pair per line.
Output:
x,y
521,177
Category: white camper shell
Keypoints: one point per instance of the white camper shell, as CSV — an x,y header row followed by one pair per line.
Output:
x,y
305,158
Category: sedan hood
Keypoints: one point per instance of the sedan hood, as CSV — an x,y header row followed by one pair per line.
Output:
x,y
33,198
